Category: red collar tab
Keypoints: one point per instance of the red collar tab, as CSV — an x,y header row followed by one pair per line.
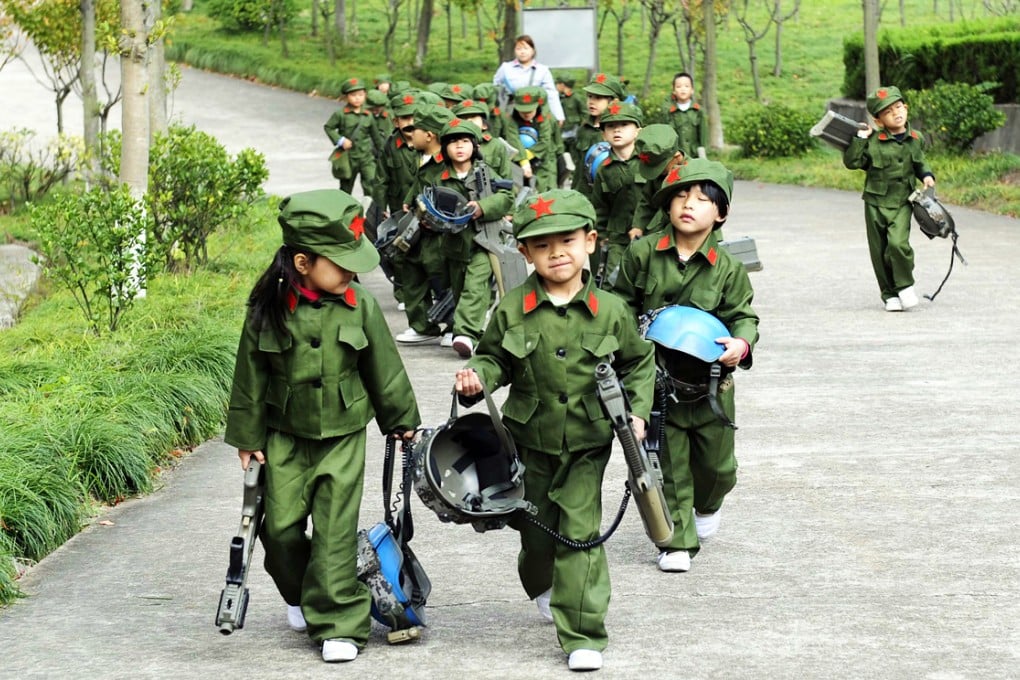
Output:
x,y
593,303
445,175
400,142
696,106
712,256
542,206
882,136
292,296
530,301
914,134
663,243
350,297
438,158
673,109
609,159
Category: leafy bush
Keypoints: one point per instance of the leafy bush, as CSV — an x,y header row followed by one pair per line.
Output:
x,y
953,115
194,188
773,131
253,15
28,171
94,244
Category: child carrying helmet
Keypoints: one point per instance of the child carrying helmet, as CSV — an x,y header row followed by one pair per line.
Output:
x,y
684,265
544,340
531,131
315,364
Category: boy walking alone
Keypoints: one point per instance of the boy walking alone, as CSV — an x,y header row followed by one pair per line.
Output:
x,y
893,158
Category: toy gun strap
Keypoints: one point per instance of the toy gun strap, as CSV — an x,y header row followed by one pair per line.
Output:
x,y
952,258
644,474
234,597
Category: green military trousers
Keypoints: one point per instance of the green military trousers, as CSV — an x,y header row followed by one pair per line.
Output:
x,y
321,480
699,466
567,489
366,166
892,258
471,283
421,269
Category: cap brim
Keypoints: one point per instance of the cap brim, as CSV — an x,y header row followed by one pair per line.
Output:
x,y
359,259
653,170
553,225
600,90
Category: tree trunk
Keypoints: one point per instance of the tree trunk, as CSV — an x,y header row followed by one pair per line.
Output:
x,y
156,71
424,28
872,76
315,18
134,154
653,43
449,30
509,29
777,67
340,20
87,73
711,91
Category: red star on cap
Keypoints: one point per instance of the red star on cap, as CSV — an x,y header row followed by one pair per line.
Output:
x,y
526,98
882,94
673,176
455,88
354,81
358,226
467,102
408,98
542,207
600,78
614,108
644,158
455,122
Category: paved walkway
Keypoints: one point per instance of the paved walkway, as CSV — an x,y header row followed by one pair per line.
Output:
x,y
873,532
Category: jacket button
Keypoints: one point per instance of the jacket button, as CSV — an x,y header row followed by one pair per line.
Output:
x,y
561,352
317,304
562,311
563,398
315,343
316,384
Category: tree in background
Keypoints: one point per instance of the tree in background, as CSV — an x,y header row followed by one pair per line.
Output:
x,y
134,158
710,91
11,41
659,13
424,28
621,11
751,37
780,19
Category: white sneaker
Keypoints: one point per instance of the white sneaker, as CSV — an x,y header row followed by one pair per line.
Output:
x,y
893,304
463,346
295,619
676,560
707,525
339,650
542,602
908,298
401,307
413,337
584,660
446,340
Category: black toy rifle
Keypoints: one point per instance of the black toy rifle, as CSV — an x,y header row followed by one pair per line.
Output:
x,y
644,475
234,598
508,264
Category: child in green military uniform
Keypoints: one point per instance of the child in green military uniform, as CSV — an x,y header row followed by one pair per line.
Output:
x,y
545,339
487,94
893,159
615,192
352,132
687,117
602,90
685,266
466,264
495,151
529,130
424,269
315,363
657,154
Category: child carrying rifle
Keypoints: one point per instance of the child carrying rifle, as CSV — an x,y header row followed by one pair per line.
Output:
x,y
316,362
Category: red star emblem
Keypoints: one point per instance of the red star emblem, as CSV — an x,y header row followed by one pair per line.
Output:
x,y
542,207
882,94
614,109
408,98
358,226
600,78
644,158
455,88
673,176
467,102
526,98
455,122
354,81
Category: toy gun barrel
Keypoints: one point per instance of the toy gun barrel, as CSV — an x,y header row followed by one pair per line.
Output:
x,y
644,475
234,597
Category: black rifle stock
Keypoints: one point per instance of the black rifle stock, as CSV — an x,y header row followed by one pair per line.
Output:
x,y
234,597
644,475
490,235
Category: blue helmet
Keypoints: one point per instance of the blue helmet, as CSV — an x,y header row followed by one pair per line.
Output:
x,y
593,159
444,209
528,136
687,330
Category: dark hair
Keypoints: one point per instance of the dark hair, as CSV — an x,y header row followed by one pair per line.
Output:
x,y
267,302
714,193
684,74
525,38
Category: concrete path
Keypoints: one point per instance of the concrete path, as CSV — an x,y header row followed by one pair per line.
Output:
x,y
873,532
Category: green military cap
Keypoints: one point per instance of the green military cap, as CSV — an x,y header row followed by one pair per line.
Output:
x,y
471,107
605,85
694,171
565,79
454,92
883,98
553,212
383,78
437,87
458,127
329,223
353,85
429,97
376,98
654,147
399,87
484,91
403,105
529,98
432,118
622,112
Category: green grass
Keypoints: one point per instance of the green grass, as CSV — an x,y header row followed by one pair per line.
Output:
x,y
86,419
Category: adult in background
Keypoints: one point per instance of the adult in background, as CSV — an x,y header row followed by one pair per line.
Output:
x,y
524,71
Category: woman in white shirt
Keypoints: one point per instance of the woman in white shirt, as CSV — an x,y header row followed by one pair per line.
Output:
x,y
524,71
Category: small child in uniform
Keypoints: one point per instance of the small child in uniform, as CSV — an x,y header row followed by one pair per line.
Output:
x,y
657,153
544,340
539,159
599,93
316,362
893,159
687,117
684,265
352,130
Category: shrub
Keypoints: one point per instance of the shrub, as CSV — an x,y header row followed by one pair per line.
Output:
x,y
94,244
953,115
28,171
773,131
253,15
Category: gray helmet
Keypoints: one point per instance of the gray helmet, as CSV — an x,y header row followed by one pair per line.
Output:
x,y
931,216
467,471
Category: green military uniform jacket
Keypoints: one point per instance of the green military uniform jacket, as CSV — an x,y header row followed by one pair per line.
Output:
x,y
460,246
548,355
382,126
691,127
336,369
575,108
651,276
496,156
357,126
547,149
587,134
615,198
646,216
892,165
399,163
